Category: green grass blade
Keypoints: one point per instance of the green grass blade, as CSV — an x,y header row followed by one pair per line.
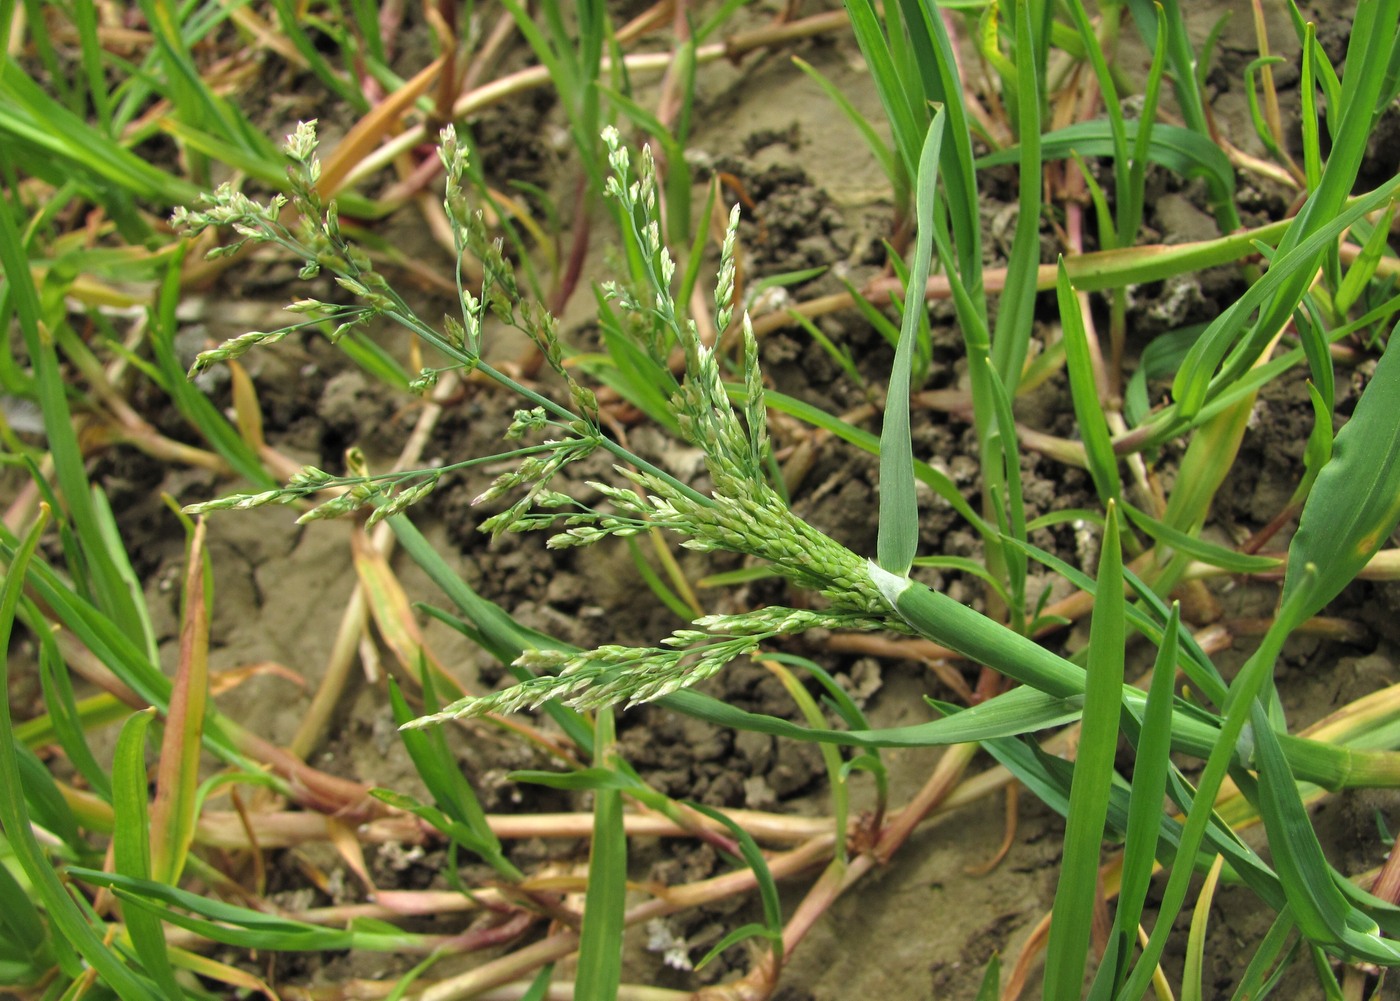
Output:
x,y
990,989
966,565
499,634
899,510
1257,982
1131,207
903,106
1189,91
600,939
110,533
438,769
63,913
1068,950
1016,309
110,588
1254,679
291,20
64,713
27,112
1367,56
454,830
1088,411
932,52
1363,269
893,167
752,856
1317,904
1118,134
24,940
1179,150
841,356
1001,464
1207,552
1022,710
131,846
242,926
46,804
1355,502
1144,806
191,402
831,757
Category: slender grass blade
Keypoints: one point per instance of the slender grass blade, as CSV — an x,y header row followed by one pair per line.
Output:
x,y
131,846
1067,953
899,510
63,913
600,939
1093,426
174,812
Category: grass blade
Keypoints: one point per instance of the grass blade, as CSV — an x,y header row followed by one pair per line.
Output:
x,y
1093,775
131,846
443,776
1192,988
24,946
899,511
1368,53
63,913
174,812
1179,150
1355,502
1015,312
242,926
111,590
1144,809
64,712
1321,910
1088,410
1207,552
600,940
938,481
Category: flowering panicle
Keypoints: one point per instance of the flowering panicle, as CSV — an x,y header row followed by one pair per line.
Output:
x,y
616,674
742,514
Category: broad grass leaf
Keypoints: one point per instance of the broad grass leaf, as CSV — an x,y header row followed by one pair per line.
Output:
x,y
1321,910
1355,502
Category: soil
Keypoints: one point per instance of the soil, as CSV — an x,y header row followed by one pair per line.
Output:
x,y
922,926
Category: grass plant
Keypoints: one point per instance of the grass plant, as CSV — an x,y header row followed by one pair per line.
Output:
x,y
119,878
